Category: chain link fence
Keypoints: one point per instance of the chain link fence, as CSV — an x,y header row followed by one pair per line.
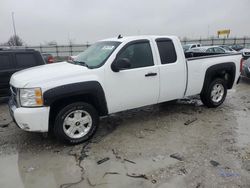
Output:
x,y
219,41
74,49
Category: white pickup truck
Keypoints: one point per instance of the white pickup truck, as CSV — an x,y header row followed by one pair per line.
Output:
x,y
114,75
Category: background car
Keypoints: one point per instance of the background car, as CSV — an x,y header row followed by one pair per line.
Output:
x,y
228,49
72,58
209,49
48,58
187,47
13,60
237,47
246,68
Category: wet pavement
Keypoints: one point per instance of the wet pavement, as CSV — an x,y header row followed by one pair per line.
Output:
x,y
182,144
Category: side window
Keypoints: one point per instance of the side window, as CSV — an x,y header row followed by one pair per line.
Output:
x,y
5,61
25,60
210,50
193,46
139,54
167,51
218,50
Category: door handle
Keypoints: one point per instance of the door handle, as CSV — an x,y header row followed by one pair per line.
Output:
x,y
151,74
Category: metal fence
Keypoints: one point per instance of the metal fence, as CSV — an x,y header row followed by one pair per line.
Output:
x,y
74,49
60,50
219,41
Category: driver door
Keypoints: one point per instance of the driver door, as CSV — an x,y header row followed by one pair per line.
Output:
x,y
136,86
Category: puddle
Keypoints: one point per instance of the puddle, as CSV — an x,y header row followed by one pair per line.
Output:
x,y
29,170
9,173
33,170
243,128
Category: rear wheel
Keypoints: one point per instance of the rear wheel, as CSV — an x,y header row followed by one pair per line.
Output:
x,y
76,123
214,95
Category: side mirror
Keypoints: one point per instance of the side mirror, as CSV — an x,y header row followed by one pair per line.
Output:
x,y
120,64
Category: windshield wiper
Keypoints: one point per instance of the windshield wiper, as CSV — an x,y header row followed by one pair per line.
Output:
x,y
82,63
79,63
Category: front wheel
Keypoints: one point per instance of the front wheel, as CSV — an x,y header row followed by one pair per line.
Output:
x,y
214,95
76,123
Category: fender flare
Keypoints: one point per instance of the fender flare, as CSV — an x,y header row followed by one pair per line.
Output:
x,y
92,88
220,70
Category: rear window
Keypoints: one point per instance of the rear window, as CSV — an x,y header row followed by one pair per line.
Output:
x,y
25,60
5,61
166,50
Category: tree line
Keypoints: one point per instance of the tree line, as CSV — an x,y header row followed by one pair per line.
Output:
x,y
14,40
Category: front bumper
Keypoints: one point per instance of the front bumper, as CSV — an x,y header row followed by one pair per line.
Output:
x,y
30,119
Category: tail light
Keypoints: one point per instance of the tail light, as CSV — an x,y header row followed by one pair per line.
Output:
x,y
50,59
241,64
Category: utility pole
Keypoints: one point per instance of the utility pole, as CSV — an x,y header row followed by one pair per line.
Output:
x,y
14,27
208,31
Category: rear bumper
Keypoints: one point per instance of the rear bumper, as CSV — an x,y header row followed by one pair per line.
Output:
x,y
30,119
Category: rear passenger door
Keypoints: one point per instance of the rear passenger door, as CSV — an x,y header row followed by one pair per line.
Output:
x,y
173,70
6,70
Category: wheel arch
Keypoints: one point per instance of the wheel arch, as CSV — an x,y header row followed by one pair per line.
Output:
x,y
90,92
223,70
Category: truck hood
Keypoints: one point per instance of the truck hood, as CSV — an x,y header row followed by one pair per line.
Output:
x,y
46,73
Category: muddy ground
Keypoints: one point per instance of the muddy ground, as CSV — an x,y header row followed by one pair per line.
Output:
x,y
213,150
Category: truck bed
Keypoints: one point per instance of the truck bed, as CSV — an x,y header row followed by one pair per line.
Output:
x,y
197,67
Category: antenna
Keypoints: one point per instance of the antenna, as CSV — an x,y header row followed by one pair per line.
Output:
x,y
119,36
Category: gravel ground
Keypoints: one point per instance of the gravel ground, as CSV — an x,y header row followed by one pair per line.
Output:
x,y
182,144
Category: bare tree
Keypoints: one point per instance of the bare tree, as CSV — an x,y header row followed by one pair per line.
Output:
x,y
15,40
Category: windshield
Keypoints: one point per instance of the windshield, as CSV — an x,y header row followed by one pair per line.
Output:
x,y
96,55
186,47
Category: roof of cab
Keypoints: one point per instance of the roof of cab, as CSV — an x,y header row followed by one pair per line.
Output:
x,y
131,38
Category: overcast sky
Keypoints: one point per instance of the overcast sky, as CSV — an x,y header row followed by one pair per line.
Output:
x,y
40,21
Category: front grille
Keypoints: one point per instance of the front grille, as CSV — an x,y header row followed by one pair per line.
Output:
x,y
14,95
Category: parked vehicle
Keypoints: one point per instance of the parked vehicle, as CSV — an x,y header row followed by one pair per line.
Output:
x,y
48,58
246,50
13,60
228,49
72,58
237,47
246,64
246,68
209,49
187,47
205,51
114,75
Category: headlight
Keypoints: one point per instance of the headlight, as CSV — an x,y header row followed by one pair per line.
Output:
x,y
31,97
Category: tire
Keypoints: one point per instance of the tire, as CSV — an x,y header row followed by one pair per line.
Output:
x,y
76,123
215,93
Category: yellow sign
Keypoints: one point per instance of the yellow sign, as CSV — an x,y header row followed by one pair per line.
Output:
x,y
223,32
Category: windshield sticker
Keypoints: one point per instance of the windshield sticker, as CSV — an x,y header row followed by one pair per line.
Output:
x,y
107,47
